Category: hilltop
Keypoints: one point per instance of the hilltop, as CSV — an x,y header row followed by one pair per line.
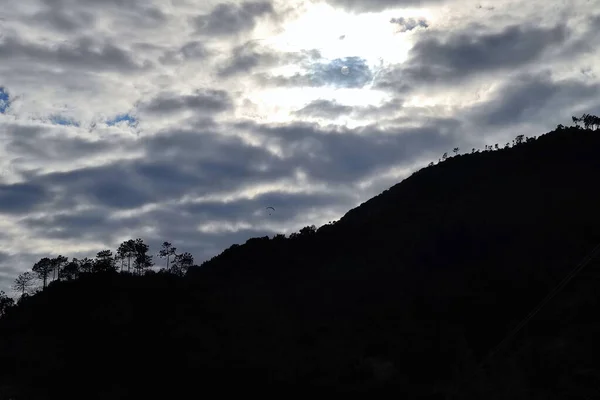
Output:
x,y
407,292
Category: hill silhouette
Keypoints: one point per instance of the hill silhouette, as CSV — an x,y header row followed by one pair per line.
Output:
x,y
407,293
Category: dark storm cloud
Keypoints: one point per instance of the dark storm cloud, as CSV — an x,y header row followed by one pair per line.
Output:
x,y
77,54
229,18
20,198
434,60
207,100
408,24
324,108
364,6
533,97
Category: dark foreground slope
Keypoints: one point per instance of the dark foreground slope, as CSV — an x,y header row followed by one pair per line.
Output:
x,y
407,292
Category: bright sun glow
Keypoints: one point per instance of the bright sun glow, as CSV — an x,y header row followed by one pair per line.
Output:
x,y
336,34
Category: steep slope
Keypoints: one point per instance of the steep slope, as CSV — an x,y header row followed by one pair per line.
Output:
x,y
408,291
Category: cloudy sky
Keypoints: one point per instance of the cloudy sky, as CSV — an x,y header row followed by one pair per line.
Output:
x,y
181,120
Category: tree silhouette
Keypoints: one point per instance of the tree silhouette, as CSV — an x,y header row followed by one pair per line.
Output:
x,y
444,156
519,139
71,270
455,150
5,303
57,264
86,265
42,269
182,263
589,121
24,282
576,121
142,259
104,262
127,251
166,252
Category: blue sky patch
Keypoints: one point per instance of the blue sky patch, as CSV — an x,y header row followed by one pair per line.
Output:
x,y
60,120
4,100
357,73
131,121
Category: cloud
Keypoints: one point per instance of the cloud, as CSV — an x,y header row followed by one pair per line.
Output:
x,y
324,108
63,20
408,24
201,101
22,198
434,60
532,96
229,19
365,6
190,51
245,58
343,156
84,53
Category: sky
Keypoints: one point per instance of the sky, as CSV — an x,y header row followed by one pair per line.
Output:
x,y
182,120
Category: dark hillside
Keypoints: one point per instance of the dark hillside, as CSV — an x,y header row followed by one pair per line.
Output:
x,y
407,292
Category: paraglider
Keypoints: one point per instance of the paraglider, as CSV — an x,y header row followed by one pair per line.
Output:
x,y
271,209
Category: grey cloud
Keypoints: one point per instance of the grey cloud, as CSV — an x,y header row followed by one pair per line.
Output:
x,y
22,197
229,18
250,55
245,58
208,100
86,224
61,20
3,257
193,50
35,143
364,6
332,109
324,108
532,97
348,155
436,61
176,163
408,24
78,54
584,43
287,205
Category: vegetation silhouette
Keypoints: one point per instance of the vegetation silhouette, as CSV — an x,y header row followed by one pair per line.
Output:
x,y
407,293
